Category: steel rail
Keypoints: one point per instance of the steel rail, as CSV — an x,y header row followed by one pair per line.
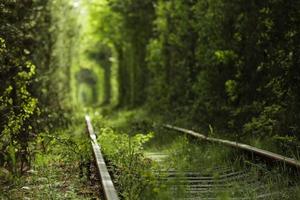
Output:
x,y
277,157
109,190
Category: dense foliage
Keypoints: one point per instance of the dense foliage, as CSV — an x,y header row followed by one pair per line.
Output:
x,y
127,26
228,65
35,56
132,171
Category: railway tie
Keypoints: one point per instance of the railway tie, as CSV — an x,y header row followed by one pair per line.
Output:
x,y
220,183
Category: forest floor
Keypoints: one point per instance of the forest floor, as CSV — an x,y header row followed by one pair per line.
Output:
x,y
57,180
56,171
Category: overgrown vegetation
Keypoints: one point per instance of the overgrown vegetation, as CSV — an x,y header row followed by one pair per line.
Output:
x,y
224,68
132,171
37,48
188,155
61,169
34,75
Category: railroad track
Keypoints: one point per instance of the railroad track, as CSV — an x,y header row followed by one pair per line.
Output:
x,y
109,191
219,184
224,182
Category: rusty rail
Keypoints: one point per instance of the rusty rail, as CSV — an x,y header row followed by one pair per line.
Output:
x,y
251,149
109,190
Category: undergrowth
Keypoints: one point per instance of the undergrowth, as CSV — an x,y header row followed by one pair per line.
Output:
x,y
132,171
187,154
58,168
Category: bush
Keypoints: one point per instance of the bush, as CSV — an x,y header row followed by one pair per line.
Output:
x,y
132,171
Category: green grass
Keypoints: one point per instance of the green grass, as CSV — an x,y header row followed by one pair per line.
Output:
x,y
56,171
186,154
57,180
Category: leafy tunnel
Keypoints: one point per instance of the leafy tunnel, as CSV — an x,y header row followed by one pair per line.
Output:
x,y
223,67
